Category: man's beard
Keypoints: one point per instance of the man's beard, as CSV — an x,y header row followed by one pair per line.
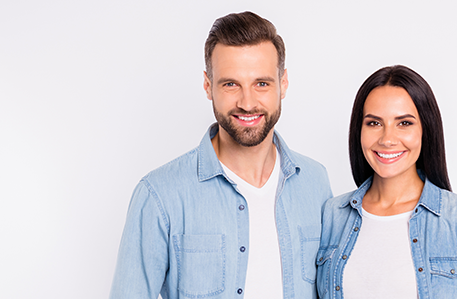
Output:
x,y
247,136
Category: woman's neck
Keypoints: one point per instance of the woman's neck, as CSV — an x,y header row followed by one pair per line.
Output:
x,y
392,196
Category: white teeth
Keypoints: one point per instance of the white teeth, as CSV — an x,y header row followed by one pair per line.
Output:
x,y
389,156
248,118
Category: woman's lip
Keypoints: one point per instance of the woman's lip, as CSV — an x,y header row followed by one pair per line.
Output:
x,y
389,157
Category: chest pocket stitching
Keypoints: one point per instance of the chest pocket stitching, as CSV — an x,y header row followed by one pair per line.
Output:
x,y
309,242
325,253
444,266
194,254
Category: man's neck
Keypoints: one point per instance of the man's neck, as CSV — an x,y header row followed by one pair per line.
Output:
x,y
253,164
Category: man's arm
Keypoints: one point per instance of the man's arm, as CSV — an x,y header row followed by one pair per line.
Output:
x,y
143,253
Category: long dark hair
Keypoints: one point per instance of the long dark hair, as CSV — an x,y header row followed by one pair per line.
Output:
x,y
432,159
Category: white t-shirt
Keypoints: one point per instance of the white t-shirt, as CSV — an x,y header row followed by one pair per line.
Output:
x,y
381,264
264,274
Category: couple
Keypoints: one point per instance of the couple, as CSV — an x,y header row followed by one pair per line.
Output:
x,y
243,216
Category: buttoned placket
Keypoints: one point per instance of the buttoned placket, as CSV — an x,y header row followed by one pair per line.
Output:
x,y
417,256
284,238
343,256
243,239
356,207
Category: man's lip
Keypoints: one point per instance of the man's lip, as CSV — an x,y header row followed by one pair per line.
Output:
x,y
247,117
248,120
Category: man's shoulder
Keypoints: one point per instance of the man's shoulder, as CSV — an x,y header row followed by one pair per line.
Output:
x,y
307,164
182,166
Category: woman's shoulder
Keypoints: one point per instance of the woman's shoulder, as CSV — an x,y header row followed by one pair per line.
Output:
x,y
449,203
340,200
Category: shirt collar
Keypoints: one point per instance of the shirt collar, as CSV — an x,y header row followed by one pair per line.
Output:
x,y
430,198
209,166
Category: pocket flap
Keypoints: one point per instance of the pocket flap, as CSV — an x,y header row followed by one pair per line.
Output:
x,y
445,266
324,254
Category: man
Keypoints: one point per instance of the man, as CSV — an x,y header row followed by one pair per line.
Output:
x,y
240,215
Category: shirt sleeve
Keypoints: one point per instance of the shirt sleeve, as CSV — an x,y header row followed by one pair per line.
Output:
x,y
143,253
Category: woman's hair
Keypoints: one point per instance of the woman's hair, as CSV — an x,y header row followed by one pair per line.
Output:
x,y
432,159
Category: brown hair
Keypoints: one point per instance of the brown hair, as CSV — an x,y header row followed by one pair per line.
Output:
x,y
243,29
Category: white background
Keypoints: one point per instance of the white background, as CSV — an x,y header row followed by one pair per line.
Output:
x,y
95,94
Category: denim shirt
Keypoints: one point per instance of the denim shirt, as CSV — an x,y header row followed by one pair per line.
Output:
x,y
432,236
187,229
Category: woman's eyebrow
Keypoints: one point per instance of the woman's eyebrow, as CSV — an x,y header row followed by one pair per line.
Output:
x,y
372,116
405,116
396,118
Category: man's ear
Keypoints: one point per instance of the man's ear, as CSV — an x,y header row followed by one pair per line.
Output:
x,y
284,84
207,86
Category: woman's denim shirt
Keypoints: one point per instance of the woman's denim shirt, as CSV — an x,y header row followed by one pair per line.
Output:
x,y
432,235
187,229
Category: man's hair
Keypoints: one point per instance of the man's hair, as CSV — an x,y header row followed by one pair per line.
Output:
x,y
432,159
243,29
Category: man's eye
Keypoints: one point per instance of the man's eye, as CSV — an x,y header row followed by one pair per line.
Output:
x,y
262,84
230,84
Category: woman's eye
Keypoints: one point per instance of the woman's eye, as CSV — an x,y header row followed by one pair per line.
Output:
x,y
405,123
373,123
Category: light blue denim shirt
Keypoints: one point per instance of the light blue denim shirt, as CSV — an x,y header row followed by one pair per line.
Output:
x,y
187,229
432,235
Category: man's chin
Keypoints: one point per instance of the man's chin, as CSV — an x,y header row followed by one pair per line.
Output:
x,y
248,138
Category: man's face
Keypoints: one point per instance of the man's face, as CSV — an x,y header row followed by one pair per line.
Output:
x,y
246,91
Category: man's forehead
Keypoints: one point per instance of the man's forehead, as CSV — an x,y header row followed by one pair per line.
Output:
x,y
259,46
262,56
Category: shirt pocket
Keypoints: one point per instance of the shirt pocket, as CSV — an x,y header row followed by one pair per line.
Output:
x,y
443,277
309,244
444,266
324,262
201,264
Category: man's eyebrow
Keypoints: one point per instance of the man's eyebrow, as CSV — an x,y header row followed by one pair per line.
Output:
x,y
396,118
265,79
225,80
260,79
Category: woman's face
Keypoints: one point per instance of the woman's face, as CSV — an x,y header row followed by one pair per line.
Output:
x,y
391,132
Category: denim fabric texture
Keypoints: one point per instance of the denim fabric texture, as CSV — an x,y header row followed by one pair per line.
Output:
x,y
432,234
187,229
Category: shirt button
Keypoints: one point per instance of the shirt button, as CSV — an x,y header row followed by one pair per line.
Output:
x,y
452,271
241,207
420,269
345,257
414,240
239,291
242,249
354,201
356,229
320,260
337,288
416,210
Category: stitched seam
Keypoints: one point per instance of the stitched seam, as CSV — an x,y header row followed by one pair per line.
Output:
x,y
158,203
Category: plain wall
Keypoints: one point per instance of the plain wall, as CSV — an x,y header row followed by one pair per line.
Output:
x,y
95,94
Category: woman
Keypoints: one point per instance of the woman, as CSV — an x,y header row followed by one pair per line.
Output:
x,y
396,235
